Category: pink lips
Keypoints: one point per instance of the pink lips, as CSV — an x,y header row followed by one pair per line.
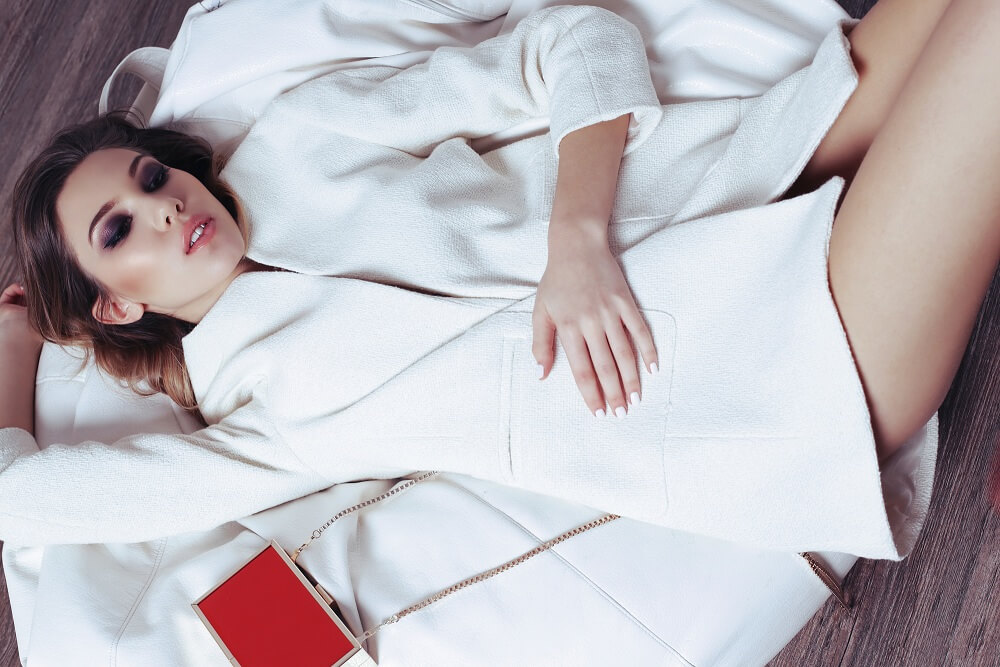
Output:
x,y
206,234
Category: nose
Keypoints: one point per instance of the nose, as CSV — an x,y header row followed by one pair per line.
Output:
x,y
168,216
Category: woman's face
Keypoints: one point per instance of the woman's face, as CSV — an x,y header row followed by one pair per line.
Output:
x,y
130,222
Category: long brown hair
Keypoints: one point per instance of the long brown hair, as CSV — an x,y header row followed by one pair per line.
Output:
x,y
60,294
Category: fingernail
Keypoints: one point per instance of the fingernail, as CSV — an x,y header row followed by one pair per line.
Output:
x,y
541,371
653,368
634,398
619,412
599,413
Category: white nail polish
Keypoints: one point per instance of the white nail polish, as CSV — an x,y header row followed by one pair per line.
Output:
x,y
541,371
620,412
654,368
634,398
599,413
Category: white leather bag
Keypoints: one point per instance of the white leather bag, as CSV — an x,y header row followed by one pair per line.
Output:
x,y
231,58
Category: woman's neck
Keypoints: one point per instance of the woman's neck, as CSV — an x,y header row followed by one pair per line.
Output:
x,y
197,310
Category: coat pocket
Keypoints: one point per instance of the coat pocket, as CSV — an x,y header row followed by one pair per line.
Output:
x,y
550,442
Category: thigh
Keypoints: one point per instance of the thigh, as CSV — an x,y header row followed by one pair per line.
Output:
x,y
916,242
884,48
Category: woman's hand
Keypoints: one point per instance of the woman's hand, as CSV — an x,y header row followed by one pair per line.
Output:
x,y
584,296
20,347
15,332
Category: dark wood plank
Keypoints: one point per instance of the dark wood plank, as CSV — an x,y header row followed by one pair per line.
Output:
x,y
937,607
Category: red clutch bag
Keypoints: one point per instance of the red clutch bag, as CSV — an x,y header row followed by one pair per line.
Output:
x,y
269,613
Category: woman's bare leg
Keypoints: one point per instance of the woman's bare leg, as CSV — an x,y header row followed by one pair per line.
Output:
x,y
885,46
916,241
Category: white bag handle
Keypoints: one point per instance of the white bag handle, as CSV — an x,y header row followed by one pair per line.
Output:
x,y
149,64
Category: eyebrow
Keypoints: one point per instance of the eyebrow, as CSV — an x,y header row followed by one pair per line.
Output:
x,y
111,204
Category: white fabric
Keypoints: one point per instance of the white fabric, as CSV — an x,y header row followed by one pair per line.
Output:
x,y
713,49
231,59
129,604
665,593
755,449
750,634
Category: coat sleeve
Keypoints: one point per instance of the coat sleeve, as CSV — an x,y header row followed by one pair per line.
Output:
x,y
576,65
145,486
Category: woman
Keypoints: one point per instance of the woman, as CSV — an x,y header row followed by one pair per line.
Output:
x,y
234,393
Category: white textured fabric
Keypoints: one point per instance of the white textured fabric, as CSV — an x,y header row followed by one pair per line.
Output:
x,y
661,597
755,431
129,604
712,602
228,62
405,200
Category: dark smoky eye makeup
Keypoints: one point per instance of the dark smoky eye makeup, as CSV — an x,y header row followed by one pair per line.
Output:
x,y
153,176
115,230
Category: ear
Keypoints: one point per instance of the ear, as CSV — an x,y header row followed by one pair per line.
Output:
x,y
117,311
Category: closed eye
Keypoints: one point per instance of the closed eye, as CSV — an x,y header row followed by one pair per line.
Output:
x,y
153,178
116,230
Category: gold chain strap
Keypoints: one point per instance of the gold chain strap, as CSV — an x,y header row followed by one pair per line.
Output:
x,y
354,508
827,578
483,576
821,572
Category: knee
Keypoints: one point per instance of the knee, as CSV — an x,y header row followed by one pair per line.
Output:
x,y
885,448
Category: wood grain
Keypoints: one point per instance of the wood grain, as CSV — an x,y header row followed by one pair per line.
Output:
x,y
937,607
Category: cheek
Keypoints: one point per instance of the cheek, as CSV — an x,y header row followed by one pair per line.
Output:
x,y
132,284
138,276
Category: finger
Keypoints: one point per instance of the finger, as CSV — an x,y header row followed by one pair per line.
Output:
x,y
636,324
583,372
606,369
621,348
543,333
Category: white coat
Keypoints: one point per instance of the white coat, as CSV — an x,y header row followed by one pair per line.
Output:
x,y
417,356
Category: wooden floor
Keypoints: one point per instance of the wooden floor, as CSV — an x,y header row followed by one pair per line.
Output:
x,y
940,606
